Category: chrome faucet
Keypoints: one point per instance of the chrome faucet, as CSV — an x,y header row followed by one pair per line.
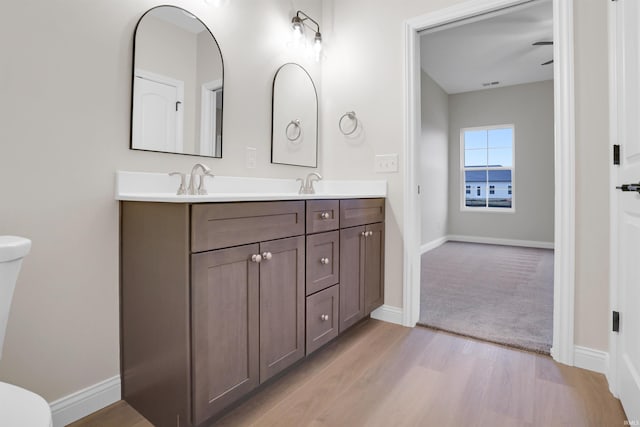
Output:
x,y
306,185
201,190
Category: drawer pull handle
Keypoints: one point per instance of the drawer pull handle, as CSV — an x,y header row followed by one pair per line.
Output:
x,y
256,258
324,317
325,215
267,256
324,261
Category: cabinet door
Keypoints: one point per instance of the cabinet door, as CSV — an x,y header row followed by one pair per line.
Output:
x,y
282,302
224,314
374,267
352,247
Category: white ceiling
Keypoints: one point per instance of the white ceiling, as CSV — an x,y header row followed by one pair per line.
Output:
x,y
178,17
462,56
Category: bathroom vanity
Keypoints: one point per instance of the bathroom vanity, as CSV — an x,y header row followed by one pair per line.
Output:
x,y
217,298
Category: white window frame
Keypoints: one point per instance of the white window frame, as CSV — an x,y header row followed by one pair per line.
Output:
x,y
463,207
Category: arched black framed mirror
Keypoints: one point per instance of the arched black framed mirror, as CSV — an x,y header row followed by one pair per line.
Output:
x,y
294,124
177,90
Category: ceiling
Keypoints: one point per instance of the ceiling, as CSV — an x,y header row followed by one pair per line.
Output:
x,y
179,18
462,56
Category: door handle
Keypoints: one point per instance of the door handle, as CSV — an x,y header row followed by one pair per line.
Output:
x,y
630,187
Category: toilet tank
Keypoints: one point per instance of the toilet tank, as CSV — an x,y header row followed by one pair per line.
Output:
x,y
12,250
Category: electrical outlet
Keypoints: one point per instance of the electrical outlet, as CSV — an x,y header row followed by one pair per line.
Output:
x,y
386,163
252,158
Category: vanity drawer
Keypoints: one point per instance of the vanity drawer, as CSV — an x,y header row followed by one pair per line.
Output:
x,y
361,211
322,318
322,215
323,260
221,225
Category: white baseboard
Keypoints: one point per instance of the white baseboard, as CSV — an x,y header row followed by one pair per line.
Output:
x,y
593,360
84,402
429,246
388,313
496,241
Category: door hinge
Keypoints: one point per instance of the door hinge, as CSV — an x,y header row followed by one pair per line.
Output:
x,y
616,154
616,321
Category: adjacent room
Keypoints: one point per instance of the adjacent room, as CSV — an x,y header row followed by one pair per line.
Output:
x,y
487,177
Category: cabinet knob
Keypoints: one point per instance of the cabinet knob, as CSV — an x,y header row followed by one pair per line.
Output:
x,y
325,215
324,260
324,317
369,233
364,234
267,255
256,258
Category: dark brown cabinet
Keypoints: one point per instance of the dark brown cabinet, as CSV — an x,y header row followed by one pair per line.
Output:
x,y
225,328
322,318
217,298
323,258
361,259
282,300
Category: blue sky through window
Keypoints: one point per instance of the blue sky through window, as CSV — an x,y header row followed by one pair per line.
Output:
x,y
488,147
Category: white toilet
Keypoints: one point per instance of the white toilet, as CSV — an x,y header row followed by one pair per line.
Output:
x,y
18,407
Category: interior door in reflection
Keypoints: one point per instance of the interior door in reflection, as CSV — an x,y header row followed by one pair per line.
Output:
x,y
158,113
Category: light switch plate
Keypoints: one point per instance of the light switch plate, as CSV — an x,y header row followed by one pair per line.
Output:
x,y
386,163
252,157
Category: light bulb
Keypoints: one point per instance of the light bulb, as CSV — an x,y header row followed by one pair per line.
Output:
x,y
317,43
296,25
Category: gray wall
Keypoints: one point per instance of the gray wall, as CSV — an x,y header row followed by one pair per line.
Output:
x,y
433,160
529,108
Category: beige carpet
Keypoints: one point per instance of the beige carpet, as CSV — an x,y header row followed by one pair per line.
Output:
x,y
502,294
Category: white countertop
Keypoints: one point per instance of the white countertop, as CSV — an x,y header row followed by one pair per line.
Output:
x,y
160,187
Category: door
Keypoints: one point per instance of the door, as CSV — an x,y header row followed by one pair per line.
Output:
x,y
351,276
282,302
374,267
224,319
627,204
157,118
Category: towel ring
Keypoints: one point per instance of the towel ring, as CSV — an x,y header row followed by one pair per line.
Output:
x,y
352,116
296,124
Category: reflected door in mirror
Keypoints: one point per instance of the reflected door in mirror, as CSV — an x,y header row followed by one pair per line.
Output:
x,y
157,121
177,85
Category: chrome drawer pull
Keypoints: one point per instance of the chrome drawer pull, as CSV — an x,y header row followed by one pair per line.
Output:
x,y
325,215
266,255
256,258
324,317
324,261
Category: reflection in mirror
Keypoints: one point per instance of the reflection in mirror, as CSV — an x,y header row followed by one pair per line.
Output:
x,y
294,126
177,85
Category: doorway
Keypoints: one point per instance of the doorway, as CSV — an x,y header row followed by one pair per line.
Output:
x,y
562,349
486,176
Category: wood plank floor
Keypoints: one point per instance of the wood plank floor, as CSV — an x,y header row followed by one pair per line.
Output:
x,y
380,374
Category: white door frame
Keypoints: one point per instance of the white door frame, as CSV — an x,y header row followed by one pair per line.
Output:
x,y
564,234
208,123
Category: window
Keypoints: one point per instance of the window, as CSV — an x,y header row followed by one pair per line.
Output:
x,y
487,163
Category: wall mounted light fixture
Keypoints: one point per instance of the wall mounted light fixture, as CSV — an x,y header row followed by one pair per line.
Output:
x,y
298,22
